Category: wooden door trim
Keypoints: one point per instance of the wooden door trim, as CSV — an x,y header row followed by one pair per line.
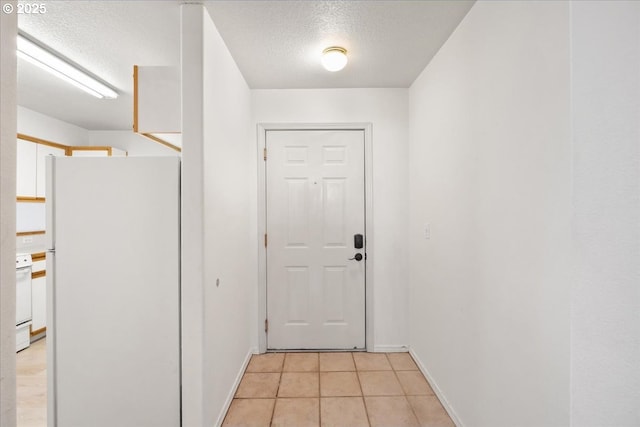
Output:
x,y
262,226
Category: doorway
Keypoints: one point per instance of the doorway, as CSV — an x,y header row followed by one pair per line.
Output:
x,y
315,215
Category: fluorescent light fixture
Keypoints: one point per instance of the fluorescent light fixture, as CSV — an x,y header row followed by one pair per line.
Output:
x,y
334,58
60,68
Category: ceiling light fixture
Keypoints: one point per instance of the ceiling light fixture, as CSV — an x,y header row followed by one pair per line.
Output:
x,y
60,68
334,58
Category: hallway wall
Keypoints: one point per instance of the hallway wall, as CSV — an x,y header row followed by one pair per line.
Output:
x,y
387,110
229,248
219,256
490,172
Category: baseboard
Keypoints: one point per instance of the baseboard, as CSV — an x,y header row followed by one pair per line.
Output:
x,y
236,383
445,403
397,348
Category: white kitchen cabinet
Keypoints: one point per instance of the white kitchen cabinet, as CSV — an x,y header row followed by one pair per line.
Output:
x,y
31,163
30,216
157,100
26,172
39,303
42,152
156,110
96,151
38,265
90,151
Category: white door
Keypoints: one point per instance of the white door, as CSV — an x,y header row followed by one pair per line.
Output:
x,y
315,206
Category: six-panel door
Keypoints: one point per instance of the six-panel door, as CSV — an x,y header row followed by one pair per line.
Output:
x,y
315,206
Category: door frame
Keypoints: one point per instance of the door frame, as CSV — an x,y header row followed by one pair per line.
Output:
x,y
262,221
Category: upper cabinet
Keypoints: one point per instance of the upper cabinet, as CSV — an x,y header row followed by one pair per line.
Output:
x,y
30,173
31,157
156,104
26,177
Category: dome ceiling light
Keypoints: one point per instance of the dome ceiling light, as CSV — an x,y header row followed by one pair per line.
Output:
x,y
334,58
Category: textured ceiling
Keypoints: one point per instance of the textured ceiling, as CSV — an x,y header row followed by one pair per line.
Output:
x,y
277,44
107,38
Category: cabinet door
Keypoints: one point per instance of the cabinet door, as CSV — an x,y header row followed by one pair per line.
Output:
x,y
38,265
83,152
26,168
158,100
42,152
39,303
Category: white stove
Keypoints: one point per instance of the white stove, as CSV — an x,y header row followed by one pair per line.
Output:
x,y
23,300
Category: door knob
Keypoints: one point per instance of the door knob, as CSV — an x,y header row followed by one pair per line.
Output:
x,y
357,257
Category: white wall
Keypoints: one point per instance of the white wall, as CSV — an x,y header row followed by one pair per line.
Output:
x,y
490,166
42,126
230,250
605,313
221,151
192,217
8,31
387,110
132,143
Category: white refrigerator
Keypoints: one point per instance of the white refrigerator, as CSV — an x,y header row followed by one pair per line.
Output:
x,y
113,291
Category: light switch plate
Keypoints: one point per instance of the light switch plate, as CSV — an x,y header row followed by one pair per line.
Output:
x,y
427,231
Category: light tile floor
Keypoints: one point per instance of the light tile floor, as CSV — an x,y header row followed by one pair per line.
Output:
x,y
31,382
335,389
291,389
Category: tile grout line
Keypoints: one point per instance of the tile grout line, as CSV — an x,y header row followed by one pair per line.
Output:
x,y
275,400
405,392
364,402
319,395
299,397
